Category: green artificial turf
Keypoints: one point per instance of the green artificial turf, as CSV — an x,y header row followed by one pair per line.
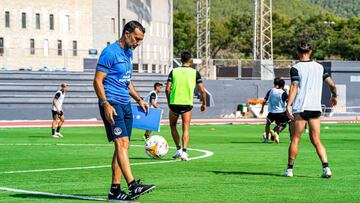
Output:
x,y
242,168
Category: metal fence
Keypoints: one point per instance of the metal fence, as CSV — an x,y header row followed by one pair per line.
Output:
x,y
76,60
36,59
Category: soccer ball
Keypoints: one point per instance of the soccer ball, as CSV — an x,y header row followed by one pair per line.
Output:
x,y
156,146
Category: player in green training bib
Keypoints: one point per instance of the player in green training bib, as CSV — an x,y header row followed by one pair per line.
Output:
x,y
180,88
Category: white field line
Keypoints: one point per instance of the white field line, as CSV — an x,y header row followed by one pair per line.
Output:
x,y
206,154
55,195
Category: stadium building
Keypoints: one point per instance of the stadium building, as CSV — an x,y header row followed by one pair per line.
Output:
x,y
69,35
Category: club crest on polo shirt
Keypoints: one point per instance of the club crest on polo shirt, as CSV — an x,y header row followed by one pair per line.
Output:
x,y
117,131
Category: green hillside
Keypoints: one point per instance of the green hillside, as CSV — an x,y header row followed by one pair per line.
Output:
x,y
348,8
225,8
320,23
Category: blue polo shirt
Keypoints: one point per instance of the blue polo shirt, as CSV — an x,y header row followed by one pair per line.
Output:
x,y
116,62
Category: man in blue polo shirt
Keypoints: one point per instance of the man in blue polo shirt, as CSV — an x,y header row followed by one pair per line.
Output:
x,y
112,84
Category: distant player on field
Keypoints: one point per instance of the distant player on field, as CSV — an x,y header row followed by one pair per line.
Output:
x,y
304,105
179,93
57,111
151,99
276,99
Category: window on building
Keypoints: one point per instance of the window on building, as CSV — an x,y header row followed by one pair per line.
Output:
x,y
146,68
1,46
135,67
7,19
23,20
113,26
37,19
59,45
74,48
51,21
123,23
153,68
32,46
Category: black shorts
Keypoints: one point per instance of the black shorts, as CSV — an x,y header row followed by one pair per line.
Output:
x,y
180,109
55,113
279,118
306,115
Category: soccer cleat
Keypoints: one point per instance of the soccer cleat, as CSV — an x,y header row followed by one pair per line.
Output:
x,y
146,137
59,134
184,156
55,136
177,154
121,195
136,189
288,173
276,138
326,173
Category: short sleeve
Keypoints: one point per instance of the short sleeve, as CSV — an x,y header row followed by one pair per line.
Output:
x,y
284,97
326,74
198,78
170,77
105,62
57,95
153,96
267,95
294,75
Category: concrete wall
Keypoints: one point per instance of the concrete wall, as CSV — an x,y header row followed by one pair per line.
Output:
x,y
347,78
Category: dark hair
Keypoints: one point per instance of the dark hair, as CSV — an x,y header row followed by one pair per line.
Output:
x,y
157,84
185,56
131,26
279,82
304,48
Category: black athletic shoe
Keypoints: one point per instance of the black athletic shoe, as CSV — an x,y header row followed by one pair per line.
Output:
x,y
136,189
120,195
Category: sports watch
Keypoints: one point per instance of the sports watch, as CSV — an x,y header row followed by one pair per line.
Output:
x,y
102,103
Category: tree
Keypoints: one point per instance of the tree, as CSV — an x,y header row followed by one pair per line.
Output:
x,y
184,33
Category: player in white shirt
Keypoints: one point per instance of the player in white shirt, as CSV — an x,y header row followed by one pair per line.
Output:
x,y
151,99
58,111
304,105
276,99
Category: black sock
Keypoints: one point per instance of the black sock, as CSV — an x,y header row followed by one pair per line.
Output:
x,y
58,129
53,131
184,150
290,166
178,147
114,188
325,164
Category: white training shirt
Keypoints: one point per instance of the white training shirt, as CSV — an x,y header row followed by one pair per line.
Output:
x,y
310,76
60,99
276,99
151,95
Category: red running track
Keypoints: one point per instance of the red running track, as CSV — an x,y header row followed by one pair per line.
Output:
x,y
79,123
